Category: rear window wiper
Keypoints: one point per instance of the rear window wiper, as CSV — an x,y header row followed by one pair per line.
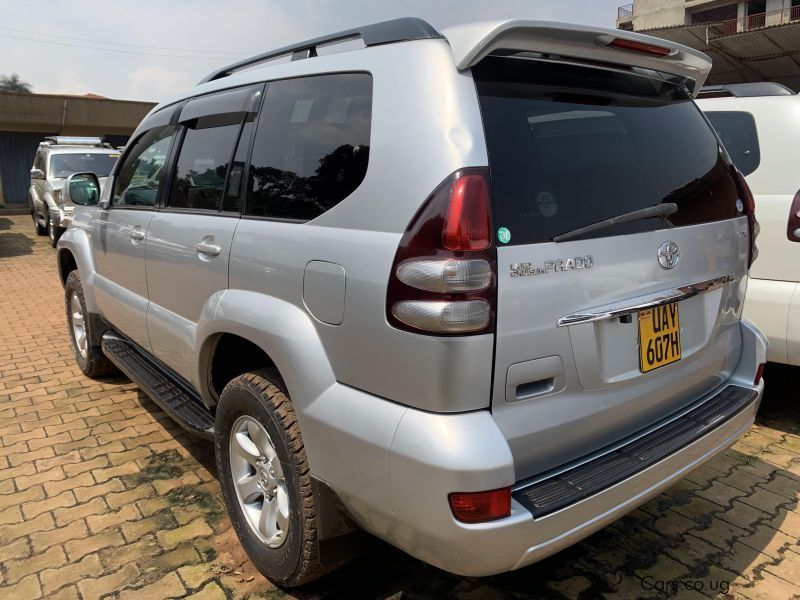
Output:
x,y
659,210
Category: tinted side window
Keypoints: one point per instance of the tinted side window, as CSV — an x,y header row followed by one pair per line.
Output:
x,y
38,162
737,130
139,177
312,145
203,165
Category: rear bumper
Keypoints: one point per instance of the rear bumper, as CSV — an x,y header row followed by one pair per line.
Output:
x,y
768,304
430,455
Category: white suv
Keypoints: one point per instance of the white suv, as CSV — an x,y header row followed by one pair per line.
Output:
x,y
56,159
759,124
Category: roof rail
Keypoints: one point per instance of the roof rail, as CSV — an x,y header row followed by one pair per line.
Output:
x,y
385,32
73,140
745,90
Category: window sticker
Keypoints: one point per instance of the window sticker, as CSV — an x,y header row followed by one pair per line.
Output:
x,y
503,235
302,110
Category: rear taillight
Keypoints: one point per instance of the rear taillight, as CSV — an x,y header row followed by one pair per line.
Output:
x,y
793,228
749,208
480,507
641,47
443,277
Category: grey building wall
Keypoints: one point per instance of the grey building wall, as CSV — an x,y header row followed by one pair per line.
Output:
x,y
16,157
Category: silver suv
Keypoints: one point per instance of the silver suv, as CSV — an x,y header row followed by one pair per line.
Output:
x,y
56,159
475,292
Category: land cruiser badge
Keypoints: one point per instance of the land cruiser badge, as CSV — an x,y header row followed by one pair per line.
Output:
x,y
552,266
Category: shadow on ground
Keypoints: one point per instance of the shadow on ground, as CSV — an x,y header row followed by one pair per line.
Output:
x,y
14,244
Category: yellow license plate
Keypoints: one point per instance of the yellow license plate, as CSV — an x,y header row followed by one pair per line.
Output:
x,y
659,337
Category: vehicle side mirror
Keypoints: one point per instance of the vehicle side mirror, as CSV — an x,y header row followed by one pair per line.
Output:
x,y
82,189
37,174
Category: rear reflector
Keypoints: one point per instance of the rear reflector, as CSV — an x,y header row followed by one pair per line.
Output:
x,y
641,47
759,374
480,507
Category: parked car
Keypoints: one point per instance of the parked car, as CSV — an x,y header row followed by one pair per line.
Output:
x,y
759,124
56,159
479,306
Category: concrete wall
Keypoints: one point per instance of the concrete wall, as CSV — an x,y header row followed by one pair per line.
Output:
x,y
30,116
69,115
652,14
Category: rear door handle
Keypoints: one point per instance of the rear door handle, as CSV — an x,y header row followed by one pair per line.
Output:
x,y
207,249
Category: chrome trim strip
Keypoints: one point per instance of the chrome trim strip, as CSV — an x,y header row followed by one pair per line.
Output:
x,y
660,298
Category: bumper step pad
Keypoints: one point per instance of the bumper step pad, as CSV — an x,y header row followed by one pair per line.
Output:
x,y
608,468
176,399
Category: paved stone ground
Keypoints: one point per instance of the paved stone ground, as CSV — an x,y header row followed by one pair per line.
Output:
x,y
101,494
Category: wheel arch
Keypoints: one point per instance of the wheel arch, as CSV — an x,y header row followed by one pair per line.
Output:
x,y
74,251
284,335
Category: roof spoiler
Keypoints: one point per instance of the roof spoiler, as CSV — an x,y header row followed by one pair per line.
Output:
x,y
472,42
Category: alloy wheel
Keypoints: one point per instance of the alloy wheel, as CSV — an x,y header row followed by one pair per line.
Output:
x,y
78,325
259,481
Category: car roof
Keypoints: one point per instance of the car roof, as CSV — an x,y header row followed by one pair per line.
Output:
x,y
469,43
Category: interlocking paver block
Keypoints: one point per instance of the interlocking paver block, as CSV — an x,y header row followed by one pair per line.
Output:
x,y
131,478
95,588
171,538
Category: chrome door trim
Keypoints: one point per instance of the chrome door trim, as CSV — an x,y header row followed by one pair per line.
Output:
x,y
627,307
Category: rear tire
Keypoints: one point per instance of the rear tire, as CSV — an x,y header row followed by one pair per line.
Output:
x,y
90,359
254,412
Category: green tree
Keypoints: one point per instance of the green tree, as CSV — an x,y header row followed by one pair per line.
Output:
x,y
12,83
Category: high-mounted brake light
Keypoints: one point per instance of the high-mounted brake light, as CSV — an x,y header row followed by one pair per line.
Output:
x,y
749,202
793,226
443,277
480,507
641,47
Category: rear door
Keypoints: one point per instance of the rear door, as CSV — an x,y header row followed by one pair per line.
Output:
x,y
189,239
579,362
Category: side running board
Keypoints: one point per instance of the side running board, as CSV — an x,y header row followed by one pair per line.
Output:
x,y
177,399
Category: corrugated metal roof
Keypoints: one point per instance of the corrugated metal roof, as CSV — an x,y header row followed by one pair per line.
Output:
x,y
770,53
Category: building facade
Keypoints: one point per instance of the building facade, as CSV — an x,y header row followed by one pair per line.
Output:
x,y
26,119
749,41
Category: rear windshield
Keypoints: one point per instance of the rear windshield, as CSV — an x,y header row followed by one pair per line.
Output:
x,y
570,146
64,165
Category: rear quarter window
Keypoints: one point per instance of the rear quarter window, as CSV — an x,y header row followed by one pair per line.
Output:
x,y
311,145
739,135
